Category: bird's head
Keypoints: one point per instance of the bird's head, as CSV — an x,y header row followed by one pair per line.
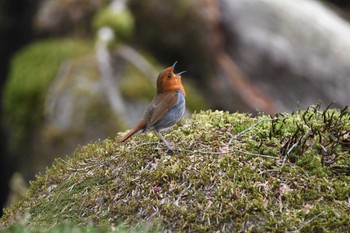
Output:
x,y
169,81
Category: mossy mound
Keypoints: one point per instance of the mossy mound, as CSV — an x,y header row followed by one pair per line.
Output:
x,y
235,172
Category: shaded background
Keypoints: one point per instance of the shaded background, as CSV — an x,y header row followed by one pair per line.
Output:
x,y
75,71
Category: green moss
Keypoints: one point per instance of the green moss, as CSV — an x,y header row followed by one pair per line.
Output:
x,y
69,228
122,21
32,70
234,173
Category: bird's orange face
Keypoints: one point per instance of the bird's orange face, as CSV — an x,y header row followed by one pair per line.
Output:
x,y
168,81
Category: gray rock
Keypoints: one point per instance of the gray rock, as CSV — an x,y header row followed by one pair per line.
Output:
x,y
295,51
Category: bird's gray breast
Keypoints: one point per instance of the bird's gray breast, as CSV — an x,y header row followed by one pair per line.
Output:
x,y
174,115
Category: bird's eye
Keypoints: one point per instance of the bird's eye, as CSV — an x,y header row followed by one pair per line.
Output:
x,y
169,75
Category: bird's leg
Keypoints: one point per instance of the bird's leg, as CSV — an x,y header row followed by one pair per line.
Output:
x,y
163,139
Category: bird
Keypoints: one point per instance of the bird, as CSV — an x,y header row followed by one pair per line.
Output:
x,y
167,107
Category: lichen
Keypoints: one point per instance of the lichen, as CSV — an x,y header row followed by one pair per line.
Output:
x,y
235,172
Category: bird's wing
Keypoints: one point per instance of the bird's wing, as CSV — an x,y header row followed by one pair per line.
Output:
x,y
161,105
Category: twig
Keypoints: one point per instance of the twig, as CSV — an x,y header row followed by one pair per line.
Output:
x,y
256,155
146,144
309,221
230,151
293,146
64,161
288,152
306,223
233,137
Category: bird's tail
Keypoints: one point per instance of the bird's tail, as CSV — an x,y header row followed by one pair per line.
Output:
x,y
137,128
128,135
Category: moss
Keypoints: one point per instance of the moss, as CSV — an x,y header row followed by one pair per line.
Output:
x,y
234,173
69,227
32,70
121,21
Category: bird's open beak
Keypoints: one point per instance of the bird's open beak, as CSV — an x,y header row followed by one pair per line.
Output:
x,y
174,65
178,74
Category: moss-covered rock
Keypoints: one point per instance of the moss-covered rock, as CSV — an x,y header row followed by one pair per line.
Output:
x,y
32,71
234,173
119,19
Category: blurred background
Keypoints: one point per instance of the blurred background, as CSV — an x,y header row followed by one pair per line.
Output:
x,y
76,71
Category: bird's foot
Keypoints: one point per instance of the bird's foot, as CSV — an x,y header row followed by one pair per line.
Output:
x,y
172,149
166,143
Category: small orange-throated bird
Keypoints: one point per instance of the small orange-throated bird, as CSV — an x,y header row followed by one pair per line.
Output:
x,y
166,108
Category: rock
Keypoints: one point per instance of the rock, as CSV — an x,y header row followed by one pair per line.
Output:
x,y
296,51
